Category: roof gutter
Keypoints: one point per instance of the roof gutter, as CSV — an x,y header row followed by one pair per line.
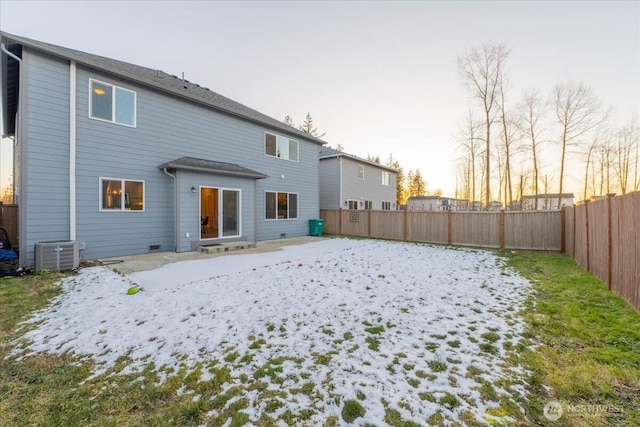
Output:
x,y
4,49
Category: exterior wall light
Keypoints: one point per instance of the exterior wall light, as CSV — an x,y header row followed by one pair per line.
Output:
x,y
194,190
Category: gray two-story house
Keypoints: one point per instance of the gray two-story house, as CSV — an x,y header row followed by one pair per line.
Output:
x,y
350,182
126,159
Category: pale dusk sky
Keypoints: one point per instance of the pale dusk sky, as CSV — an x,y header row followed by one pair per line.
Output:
x,y
377,77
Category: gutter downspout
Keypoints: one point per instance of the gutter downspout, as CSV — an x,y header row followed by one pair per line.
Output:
x,y
72,150
175,207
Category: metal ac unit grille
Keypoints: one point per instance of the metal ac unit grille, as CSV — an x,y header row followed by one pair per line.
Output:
x,y
57,255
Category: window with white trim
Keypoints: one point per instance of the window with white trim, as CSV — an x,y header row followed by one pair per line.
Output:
x,y
361,171
121,195
280,147
386,206
112,103
353,204
385,178
281,205
368,204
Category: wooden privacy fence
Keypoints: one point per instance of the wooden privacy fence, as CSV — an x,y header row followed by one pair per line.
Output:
x,y
603,236
9,221
531,230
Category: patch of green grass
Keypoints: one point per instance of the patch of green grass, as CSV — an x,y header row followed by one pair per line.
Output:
x,y
374,344
490,336
257,344
590,342
454,343
431,346
449,401
437,365
374,330
352,410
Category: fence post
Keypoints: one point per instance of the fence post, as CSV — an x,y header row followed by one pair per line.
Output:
x,y
609,239
563,229
449,215
501,228
340,221
369,223
405,226
586,233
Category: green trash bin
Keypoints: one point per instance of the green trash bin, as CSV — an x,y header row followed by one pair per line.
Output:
x,y
315,227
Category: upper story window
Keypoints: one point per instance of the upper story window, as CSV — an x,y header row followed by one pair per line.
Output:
x,y
112,103
281,147
121,195
385,178
361,171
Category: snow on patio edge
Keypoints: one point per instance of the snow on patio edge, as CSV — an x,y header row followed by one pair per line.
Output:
x,y
416,328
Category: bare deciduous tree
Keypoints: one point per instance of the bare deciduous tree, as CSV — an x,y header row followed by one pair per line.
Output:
x,y
577,112
625,148
531,118
469,141
509,130
482,70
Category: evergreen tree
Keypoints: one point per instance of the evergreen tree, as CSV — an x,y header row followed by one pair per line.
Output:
x,y
401,197
374,159
417,185
308,127
288,121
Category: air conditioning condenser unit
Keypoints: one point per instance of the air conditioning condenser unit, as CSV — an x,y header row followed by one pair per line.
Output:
x,y
57,256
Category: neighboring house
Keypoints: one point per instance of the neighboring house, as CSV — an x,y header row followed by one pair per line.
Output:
x,y
546,201
427,203
436,203
349,182
126,159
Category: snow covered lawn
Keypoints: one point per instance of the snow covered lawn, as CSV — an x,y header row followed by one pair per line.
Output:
x,y
362,330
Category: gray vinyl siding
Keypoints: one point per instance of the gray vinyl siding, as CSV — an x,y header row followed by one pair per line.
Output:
x,y
293,177
189,203
44,144
369,188
167,128
330,183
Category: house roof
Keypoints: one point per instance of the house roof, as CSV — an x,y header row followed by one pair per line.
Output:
x,y
329,153
211,166
159,80
549,196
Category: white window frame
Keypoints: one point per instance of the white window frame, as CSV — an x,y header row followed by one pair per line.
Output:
x,y
288,218
368,205
113,104
352,204
386,178
281,139
386,206
360,171
123,182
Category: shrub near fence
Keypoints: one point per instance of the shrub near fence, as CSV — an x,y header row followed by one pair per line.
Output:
x,y
603,236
